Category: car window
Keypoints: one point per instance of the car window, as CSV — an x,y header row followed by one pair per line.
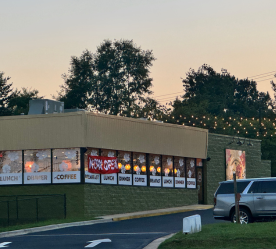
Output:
x,y
228,187
268,187
254,188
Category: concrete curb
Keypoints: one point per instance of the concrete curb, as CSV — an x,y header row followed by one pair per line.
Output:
x,y
150,215
154,244
51,227
127,216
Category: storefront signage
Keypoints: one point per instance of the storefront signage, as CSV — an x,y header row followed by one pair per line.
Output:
x,y
155,181
167,182
66,177
109,178
139,180
38,177
102,165
10,178
191,183
235,162
92,178
179,182
125,179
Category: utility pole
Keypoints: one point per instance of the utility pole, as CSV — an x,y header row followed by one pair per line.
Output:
x,y
237,209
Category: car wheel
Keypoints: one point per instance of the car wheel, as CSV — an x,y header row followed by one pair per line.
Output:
x,y
245,216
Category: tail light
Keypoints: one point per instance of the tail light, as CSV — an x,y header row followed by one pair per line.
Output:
x,y
215,201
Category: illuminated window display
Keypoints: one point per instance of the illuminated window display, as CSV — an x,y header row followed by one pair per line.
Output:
x,y
167,171
139,169
90,177
10,167
125,166
191,174
66,165
179,172
199,162
155,170
109,178
37,166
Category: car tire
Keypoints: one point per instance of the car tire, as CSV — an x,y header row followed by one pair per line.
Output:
x,y
245,216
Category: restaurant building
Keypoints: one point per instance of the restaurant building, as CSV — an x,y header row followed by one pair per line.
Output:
x,y
160,165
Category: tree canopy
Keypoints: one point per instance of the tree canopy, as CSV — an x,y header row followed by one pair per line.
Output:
x,y
6,93
114,79
221,92
19,103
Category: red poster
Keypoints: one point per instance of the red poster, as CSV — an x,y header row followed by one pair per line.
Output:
x,y
102,165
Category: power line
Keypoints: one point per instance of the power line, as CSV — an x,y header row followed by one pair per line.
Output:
x,y
265,79
261,74
167,94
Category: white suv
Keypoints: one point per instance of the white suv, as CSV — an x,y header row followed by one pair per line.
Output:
x,y
258,199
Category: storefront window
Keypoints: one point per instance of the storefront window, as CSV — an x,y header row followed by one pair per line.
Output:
x,y
108,178
167,171
125,166
90,177
37,166
199,162
191,174
155,170
139,169
66,165
179,172
10,167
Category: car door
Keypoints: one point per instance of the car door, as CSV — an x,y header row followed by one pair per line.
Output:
x,y
265,198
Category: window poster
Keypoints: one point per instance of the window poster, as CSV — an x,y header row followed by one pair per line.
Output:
x,y
139,169
179,172
235,162
191,176
125,166
37,166
109,178
10,167
155,170
66,165
167,166
90,177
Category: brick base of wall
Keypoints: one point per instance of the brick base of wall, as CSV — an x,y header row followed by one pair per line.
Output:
x,y
107,199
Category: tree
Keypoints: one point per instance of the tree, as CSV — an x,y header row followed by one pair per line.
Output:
x,y
112,80
78,84
19,103
222,92
6,94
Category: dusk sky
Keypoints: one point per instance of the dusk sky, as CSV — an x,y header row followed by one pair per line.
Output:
x,y
38,38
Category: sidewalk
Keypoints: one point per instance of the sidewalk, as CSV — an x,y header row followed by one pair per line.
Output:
x,y
110,218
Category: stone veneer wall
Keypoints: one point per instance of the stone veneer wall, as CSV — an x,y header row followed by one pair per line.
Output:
x,y
216,168
108,199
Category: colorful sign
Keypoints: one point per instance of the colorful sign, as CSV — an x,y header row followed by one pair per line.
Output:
x,y
155,181
191,183
139,180
10,178
92,178
179,182
167,182
125,179
102,165
109,178
235,162
66,177
37,178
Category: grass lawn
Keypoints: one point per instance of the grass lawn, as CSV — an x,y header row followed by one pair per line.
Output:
x,y
42,223
226,235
